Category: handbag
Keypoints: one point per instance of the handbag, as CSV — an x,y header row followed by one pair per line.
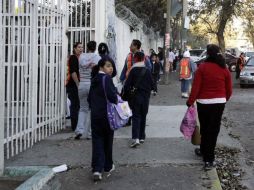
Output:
x,y
189,122
118,114
196,136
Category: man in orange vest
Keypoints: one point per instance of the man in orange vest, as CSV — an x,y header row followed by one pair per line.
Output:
x,y
187,69
134,47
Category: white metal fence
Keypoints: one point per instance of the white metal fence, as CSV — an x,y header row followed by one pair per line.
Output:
x,y
81,23
32,71
35,38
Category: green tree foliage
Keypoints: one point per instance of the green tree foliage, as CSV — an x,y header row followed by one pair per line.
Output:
x,y
248,16
213,16
150,11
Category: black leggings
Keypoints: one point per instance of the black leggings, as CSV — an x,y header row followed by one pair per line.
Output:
x,y
210,119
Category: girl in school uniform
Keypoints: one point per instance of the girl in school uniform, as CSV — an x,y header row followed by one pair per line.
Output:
x,y
102,135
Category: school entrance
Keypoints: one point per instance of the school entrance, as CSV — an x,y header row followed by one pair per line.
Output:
x,y
36,38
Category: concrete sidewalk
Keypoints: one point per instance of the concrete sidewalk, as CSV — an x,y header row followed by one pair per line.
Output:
x,y
165,161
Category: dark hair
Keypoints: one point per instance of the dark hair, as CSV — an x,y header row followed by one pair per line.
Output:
x,y
136,43
91,46
96,68
103,49
75,45
139,56
214,55
154,54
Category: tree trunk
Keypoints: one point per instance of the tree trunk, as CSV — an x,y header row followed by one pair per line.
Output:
x,y
225,14
221,40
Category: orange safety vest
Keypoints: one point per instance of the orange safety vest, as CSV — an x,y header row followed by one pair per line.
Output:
x,y
185,71
129,64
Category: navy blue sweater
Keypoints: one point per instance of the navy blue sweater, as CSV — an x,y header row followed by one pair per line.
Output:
x,y
97,99
146,84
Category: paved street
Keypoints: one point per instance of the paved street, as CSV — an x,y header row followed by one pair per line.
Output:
x,y
165,161
240,111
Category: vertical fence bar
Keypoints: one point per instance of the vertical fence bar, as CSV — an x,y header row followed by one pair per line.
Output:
x,y
34,70
8,24
2,86
17,87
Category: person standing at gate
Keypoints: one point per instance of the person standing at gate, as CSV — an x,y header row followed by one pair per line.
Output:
x,y
187,69
86,62
102,90
72,83
140,83
212,88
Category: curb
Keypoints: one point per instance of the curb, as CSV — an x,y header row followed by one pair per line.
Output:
x,y
213,181
40,176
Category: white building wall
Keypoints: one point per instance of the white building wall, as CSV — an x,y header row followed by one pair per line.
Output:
x,y
120,43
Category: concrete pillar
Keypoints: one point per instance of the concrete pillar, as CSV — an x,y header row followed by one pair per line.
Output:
x,y
168,30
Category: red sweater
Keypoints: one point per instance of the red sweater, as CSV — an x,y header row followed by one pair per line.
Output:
x,y
211,81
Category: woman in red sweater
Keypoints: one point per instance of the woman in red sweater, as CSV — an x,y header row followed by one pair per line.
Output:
x,y
211,89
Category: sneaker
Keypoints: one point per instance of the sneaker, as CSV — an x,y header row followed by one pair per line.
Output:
x,y
198,152
135,143
208,166
142,141
185,95
154,93
97,176
108,173
78,136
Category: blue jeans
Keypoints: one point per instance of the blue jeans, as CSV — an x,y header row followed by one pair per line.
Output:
x,y
185,85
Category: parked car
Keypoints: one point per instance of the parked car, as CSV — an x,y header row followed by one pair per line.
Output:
x,y
195,54
248,54
231,61
247,73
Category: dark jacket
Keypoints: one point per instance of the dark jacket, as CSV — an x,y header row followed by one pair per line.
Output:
x,y
145,86
97,99
73,67
156,68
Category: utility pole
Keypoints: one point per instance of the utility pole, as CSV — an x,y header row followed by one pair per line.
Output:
x,y
168,32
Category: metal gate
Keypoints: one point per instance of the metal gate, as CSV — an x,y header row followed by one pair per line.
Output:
x,y
35,38
33,55
81,24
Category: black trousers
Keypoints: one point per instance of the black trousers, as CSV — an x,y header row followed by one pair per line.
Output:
x,y
102,145
155,79
75,105
139,112
210,119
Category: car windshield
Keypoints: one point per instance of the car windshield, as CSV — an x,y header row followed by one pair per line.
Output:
x,y
250,63
196,52
249,54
